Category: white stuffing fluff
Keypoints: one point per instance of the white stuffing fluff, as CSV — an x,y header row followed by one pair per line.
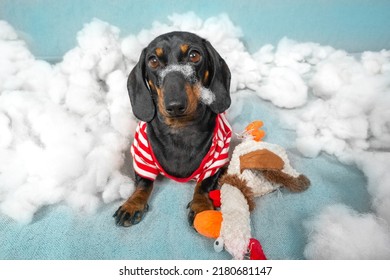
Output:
x,y
348,116
341,233
206,96
64,128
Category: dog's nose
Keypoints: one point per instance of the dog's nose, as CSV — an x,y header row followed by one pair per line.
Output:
x,y
175,96
175,108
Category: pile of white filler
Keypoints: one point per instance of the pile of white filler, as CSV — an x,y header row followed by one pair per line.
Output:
x,y
65,128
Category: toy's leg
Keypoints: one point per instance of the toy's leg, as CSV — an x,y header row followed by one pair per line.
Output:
x,y
294,184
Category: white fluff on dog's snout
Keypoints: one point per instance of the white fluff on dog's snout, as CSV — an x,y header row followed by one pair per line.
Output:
x,y
207,97
185,69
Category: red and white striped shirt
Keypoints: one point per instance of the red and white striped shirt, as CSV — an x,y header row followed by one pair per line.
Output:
x,y
147,166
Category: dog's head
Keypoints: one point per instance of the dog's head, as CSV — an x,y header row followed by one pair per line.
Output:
x,y
178,75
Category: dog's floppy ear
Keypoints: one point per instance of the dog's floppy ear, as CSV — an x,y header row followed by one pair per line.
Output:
x,y
140,95
220,80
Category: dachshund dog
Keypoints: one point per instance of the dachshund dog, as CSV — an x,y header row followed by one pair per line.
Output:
x,y
179,90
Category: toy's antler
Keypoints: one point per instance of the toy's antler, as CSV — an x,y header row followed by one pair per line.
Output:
x,y
254,130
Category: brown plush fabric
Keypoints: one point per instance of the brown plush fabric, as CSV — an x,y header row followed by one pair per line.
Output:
x,y
294,184
235,181
261,159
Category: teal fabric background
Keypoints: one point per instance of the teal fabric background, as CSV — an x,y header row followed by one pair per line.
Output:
x,y
354,25
57,232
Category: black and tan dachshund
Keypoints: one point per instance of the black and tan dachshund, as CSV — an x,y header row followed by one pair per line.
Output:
x,y
179,90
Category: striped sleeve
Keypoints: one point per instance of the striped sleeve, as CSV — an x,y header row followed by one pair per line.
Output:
x,y
143,162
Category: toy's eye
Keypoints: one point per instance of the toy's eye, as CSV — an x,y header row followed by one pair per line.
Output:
x,y
194,56
153,62
218,245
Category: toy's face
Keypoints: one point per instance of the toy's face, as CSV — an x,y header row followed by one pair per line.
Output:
x,y
254,252
218,244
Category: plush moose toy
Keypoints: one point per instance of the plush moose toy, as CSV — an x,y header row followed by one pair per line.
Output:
x,y
255,169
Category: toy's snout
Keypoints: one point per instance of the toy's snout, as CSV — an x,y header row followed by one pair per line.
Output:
x,y
208,223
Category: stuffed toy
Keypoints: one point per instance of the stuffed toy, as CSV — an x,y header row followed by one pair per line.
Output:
x,y
255,169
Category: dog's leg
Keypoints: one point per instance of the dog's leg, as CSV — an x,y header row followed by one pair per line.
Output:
x,y
133,210
201,200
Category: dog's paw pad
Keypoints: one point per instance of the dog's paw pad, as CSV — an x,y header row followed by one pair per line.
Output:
x,y
128,215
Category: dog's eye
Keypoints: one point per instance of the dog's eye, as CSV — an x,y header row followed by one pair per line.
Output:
x,y
153,62
194,56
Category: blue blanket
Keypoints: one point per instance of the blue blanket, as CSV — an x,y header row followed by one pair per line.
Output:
x,y
58,232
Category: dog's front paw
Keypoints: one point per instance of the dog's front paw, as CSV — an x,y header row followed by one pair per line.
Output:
x,y
130,213
200,203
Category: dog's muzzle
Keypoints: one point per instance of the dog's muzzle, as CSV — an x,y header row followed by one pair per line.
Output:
x,y
174,81
175,97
